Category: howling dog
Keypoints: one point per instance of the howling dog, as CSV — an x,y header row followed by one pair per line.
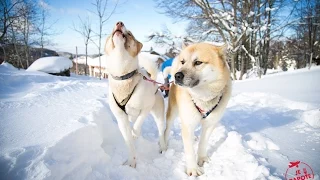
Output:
x,y
200,94
131,98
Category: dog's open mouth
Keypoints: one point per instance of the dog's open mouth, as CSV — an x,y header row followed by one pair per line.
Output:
x,y
118,32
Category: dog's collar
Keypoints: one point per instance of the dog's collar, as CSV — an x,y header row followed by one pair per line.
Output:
x,y
126,76
206,114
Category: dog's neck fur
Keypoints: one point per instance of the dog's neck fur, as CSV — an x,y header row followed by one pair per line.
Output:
x,y
206,97
121,63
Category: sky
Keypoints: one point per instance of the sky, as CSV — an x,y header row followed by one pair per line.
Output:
x,y
140,16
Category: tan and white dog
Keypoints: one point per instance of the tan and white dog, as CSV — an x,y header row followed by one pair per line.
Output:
x,y
200,94
131,98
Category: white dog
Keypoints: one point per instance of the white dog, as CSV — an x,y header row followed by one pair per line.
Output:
x,y
131,98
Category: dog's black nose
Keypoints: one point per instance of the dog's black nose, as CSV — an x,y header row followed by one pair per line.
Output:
x,y
179,76
119,23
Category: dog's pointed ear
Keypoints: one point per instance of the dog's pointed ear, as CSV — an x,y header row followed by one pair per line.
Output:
x,y
223,49
108,47
139,46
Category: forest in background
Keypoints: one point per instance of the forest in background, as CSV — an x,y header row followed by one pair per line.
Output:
x,y
260,34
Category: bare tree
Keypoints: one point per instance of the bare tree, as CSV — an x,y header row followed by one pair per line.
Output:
x,y
44,28
244,25
103,15
307,30
84,29
7,15
25,27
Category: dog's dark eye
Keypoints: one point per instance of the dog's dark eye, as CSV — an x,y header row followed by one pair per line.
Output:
x,y
196,63
129,34
183,61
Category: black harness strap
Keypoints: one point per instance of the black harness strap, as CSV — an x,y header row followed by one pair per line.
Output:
x,y
123,106
123,103
126,76
206,114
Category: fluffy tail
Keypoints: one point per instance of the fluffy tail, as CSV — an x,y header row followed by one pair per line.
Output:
x,y
149,64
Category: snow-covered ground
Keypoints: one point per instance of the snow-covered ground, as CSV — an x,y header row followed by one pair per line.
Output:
x,y
62,128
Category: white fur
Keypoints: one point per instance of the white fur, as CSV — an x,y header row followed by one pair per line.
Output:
x,y
144,100
149,65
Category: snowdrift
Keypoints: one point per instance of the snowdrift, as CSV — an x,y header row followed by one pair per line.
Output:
x,y
62,128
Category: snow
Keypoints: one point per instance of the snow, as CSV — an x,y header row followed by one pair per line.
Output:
x,y
54,64
91,61
251,14
270,9
8,66
312,117
62,128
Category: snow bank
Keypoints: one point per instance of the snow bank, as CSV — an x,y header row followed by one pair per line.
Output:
x,y
312,117
8,66
62,128
298,85
54,64
258,142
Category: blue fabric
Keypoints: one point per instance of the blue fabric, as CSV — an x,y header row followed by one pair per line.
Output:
x,y
166,64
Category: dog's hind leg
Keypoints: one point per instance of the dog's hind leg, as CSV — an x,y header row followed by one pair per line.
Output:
x,y
136,130
157,112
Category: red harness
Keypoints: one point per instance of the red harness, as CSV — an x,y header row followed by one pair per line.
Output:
x,y
162,86
204,113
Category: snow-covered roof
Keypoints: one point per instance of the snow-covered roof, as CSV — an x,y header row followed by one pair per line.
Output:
x,y
91,61
54,64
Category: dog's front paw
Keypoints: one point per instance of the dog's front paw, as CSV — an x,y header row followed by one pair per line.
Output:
x,y
163,148
131,163
202,160
197,171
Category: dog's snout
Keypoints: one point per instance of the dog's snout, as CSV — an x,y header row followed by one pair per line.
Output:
x,y
120,24
179,76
